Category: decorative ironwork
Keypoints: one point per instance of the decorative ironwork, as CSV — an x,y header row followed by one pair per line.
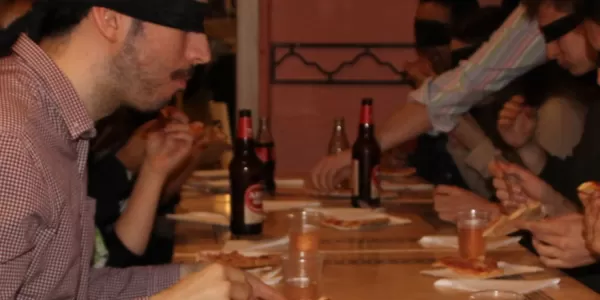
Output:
x,y
365,50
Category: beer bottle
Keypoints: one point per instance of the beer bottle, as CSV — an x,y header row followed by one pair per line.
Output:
x,y
265,149
339,143
246,181
366,155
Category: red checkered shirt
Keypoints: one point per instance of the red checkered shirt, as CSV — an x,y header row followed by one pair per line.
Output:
x,y
46,218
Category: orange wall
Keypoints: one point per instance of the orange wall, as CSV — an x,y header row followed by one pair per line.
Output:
x,y
302,114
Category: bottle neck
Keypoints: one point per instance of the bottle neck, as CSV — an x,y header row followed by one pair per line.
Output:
x,y
245,141
366,126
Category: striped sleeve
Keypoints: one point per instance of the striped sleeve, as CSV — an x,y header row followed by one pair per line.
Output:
x,y
515,48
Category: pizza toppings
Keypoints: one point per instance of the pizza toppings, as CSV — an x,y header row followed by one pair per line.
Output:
x,y
589,187
355,224
478,268
238,260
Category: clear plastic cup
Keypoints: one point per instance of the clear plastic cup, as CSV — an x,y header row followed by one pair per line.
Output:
x,y
471,224
304,231
496,295
302,273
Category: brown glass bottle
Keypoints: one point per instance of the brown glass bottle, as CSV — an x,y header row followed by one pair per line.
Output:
x,y
265,150
366,155
246,181
339,143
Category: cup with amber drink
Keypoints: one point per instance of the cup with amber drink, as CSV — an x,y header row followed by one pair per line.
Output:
x,y
304,231
470,225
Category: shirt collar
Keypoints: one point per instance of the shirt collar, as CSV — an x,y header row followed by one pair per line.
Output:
x,y
61,91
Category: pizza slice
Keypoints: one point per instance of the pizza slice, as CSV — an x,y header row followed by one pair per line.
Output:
x,y
504,224
357,224
589,187
241,261
476,268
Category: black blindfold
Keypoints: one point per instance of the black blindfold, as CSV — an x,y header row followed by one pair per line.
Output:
x,y
186,15
560,27
431,33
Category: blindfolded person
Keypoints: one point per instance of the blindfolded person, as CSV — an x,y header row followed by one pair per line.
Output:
x,y
64,65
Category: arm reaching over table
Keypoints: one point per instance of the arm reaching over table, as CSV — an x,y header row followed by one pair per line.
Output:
x,y
513,49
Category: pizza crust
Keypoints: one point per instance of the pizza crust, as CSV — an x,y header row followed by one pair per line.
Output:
x,y
241,261
504,225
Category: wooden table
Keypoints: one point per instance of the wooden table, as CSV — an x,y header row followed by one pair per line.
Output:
x,y
381,264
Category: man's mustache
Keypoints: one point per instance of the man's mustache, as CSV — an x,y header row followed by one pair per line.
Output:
x,y
183,74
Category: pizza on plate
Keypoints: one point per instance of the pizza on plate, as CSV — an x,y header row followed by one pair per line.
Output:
x,y
355,224
504,224
241,261
477,268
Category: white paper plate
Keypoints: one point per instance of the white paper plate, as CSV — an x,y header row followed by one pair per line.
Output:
x,y
452,242
356,214
509,270
515,286
347,194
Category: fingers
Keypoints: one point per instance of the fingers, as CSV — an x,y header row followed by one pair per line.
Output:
x,y
262,291
446,189
330,170
546,250
173,114
177,127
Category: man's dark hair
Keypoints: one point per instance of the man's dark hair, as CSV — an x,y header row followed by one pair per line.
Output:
x,y
458,9
532,7
590,9
61,20
477,27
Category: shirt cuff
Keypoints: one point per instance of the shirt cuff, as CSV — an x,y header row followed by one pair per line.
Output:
x,y
480,157
163,277
439,122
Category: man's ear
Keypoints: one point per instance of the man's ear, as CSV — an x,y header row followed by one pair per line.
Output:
x,y
110,24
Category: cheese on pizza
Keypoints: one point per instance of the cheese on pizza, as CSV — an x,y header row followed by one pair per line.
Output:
x,y
588,187
355,224
480,268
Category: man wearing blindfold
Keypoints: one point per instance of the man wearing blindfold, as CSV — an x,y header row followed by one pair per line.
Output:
x,y
64,65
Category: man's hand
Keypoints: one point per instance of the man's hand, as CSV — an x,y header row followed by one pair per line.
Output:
x,y
448,201
517,122
559,241
419,70
132,154
219,282
166,149
516,186
330,171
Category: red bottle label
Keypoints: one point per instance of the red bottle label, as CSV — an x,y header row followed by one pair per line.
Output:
x,y
253,207
245,128
365,114
262,153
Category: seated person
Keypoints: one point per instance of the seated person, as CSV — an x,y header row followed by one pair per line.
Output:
x,y
433,22
125,215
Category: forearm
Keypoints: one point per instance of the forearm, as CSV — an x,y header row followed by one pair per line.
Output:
x,y
405,124
134,282
468,132
134,226
533,157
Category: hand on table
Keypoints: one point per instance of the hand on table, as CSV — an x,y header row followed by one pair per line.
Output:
x,y
517,122
559,241
448,201
219,282
330,171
